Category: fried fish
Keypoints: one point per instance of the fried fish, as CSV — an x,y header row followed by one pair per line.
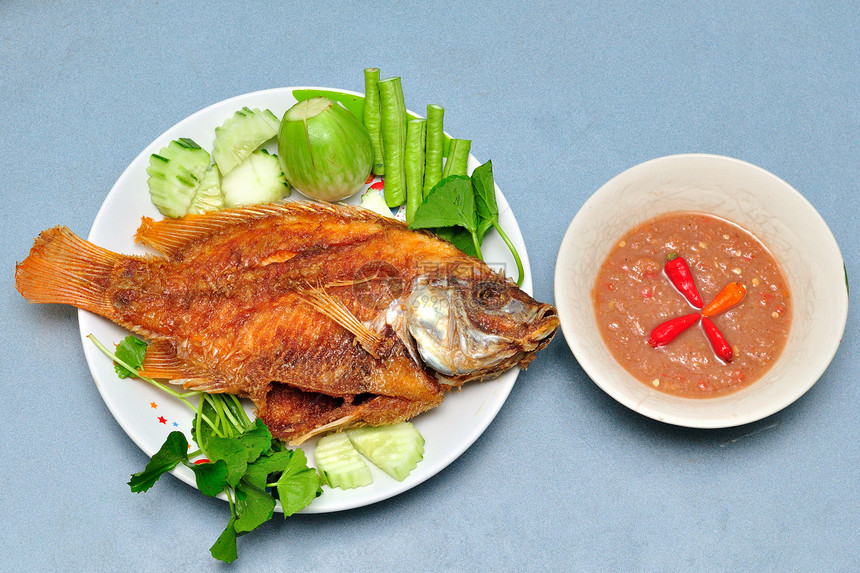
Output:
x,y
327,317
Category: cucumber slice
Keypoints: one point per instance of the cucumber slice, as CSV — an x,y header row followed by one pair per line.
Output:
x,y
258,179
394,449
241,135
339,463
375,201
208,196
174,175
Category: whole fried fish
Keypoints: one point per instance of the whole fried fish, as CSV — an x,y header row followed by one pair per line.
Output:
x,y
327,317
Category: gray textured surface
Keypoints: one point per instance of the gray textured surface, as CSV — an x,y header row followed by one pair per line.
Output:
x,y
561,96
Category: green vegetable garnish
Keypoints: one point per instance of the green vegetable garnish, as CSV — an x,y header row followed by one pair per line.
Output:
x,y
462,209
131,351
240,457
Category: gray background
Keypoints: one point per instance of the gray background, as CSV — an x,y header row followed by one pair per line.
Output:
x,y
561,96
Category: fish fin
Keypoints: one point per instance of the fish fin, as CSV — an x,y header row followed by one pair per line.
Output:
x,y
208,385
328,305
64,268
171,236
340,423
161,361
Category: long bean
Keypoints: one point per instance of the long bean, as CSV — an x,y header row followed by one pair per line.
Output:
x,y
435,143
393,118
372,118
458,157
416,134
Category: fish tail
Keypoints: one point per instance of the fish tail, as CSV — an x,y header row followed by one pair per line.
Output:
x,y
63,268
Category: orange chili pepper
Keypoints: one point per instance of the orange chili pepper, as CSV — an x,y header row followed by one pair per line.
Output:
x,y
731,294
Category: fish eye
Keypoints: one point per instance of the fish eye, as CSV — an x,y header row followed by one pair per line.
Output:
x,y
490,295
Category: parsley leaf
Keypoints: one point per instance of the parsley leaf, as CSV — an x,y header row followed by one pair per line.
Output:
x,y
131,351
243,457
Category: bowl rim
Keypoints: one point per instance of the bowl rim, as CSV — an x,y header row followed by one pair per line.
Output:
x,y
592,368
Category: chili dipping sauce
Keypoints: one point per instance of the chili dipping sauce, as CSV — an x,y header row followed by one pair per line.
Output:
x,y
633,295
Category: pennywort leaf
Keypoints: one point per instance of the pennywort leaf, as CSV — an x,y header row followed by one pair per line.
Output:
x,y
234,454
130,351
451,202
211,477
224,549
173,452
485,197
298,485
254,506
257,440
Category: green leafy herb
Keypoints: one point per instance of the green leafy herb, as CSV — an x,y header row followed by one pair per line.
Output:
x,y
173,452
225,548
450,203
298,485
243,461
211,477
462,209
488,211
131,351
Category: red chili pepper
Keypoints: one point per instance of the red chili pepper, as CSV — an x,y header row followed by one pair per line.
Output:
x,y
679,273
666,332
718,342
201,461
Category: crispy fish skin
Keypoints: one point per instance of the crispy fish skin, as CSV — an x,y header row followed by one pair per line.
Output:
x,y
303,308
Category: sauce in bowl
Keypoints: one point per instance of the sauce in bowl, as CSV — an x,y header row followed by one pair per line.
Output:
x,y
632,295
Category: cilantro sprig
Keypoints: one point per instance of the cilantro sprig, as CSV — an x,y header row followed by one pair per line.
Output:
x,y
462,209
240,458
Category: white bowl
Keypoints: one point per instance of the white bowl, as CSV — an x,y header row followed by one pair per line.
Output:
x,y
758,201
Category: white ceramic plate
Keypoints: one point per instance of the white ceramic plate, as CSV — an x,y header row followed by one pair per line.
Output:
x,y
751,197
147,415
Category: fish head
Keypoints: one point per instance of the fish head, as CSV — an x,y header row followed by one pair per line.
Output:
x,y
472,323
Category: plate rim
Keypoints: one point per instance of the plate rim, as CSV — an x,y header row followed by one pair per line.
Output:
x,y
503,384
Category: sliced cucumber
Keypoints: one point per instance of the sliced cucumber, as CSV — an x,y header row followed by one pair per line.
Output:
x,y
208,196
241,135
375,201
339,463
395,449
258,179
174,175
